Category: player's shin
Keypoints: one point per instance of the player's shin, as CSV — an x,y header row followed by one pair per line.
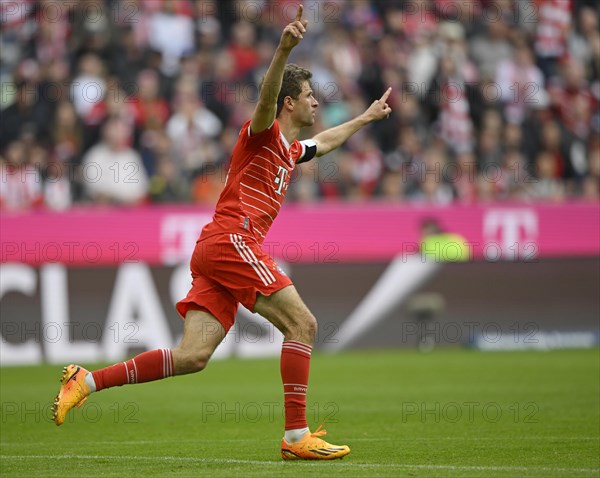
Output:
x,y
295,366
146,367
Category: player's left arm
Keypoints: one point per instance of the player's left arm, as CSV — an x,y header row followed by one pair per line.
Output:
x,y
333,138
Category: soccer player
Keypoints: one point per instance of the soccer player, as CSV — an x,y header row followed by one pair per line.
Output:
x,y
228,265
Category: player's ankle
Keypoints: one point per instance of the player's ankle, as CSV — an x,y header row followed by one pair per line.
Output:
x,y
90,382
293,436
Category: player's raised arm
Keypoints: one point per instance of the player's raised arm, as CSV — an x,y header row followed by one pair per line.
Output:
x,y
332,138
266,108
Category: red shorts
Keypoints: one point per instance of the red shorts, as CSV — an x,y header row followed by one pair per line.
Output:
x,y
229,269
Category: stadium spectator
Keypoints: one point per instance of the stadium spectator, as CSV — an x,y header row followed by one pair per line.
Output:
x,y
547,184
129,60
50,41
365,166
67,139
512,137
519,82
513,179
149,109
553,143
57,188
591,182
89,86
112,171
21,180
583,38
463,178
208,184
208,26
28,111
572,99
93,29
242,49
433,187
167,186
554,21
171,32
489,147
422,64
491,47
448,97
416,18
66,133
193,130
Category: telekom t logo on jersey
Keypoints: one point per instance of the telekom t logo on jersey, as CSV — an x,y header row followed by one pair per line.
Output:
x,y
280,180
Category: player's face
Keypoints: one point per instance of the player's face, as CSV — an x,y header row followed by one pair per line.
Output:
x,y
306,105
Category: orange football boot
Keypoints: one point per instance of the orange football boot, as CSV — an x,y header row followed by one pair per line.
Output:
x,y
73,392
311,447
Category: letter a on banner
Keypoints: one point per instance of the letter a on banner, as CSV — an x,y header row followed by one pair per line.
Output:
x,y
135,317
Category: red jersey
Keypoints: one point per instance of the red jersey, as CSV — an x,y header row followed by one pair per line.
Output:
x,y
257,181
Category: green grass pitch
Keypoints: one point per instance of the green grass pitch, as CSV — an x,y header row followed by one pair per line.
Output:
x,y
446,413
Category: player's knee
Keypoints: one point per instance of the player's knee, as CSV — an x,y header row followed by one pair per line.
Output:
x,y
196,362
311,327
191,362
303,329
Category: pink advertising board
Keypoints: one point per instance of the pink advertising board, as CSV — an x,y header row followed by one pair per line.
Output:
x,y
316,233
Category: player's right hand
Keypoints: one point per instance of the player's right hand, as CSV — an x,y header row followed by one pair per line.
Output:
x,y
294,32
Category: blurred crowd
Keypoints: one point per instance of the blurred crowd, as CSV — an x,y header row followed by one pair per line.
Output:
x,y
140,101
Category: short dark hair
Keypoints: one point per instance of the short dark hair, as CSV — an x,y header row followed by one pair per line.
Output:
x,y
293,78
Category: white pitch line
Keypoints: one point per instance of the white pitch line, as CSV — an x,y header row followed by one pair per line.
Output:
x,y
281,463
350,440
512,439
133,442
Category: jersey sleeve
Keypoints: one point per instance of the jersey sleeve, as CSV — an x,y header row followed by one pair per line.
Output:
x,y
306,150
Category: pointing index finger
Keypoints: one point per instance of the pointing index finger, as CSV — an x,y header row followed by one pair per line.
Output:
x,y
386,94
299,13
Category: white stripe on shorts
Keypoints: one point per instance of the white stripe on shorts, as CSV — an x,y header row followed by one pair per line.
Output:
x,y
243,252
256,261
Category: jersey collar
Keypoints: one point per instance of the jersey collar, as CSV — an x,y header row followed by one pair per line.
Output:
x,y
285,141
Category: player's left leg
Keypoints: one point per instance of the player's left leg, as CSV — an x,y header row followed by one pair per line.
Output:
x,y
201,335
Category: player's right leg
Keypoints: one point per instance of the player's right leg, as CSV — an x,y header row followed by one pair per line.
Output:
x,y
201,335
286,310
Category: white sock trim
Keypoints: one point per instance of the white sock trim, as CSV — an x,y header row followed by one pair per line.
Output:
x,y
293,436
89,380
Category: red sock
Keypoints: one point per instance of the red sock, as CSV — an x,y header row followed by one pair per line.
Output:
x,y
145,367
295,365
